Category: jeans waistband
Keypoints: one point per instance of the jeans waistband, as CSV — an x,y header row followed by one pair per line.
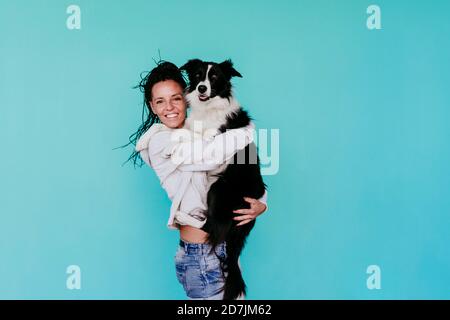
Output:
x,y
199,248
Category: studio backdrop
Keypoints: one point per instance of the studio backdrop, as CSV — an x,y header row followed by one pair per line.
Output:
x,y
351,97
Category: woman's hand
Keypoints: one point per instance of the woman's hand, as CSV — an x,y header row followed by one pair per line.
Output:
x,y
247,215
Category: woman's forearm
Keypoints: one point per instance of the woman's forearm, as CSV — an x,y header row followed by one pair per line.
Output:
x,y
201,155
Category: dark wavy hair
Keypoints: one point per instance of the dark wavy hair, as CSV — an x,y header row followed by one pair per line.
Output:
x,y
164,70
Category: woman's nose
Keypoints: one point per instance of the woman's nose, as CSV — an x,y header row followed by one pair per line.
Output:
x,y
170,106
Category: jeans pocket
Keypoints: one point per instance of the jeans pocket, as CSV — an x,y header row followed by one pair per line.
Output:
x,y
180,270
214,273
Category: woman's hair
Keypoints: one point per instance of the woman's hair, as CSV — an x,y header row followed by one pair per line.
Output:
x,y
163,71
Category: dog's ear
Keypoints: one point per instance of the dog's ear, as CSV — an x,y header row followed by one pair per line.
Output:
x,y
191,66
228,70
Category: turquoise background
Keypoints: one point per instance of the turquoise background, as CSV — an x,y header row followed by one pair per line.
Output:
x,y
364,150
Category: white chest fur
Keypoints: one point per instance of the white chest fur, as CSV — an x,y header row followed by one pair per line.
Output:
x,y
212,115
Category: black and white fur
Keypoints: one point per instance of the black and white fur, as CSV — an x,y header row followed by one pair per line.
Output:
x,y
211,100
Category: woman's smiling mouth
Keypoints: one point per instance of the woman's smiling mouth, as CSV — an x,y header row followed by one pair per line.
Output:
x,y
172,115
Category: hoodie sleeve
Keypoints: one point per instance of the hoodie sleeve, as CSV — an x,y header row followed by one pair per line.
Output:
x,y
263,199
165,150
201,155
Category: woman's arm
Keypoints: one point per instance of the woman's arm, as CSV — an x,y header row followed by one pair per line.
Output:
x,y
202,155
157,148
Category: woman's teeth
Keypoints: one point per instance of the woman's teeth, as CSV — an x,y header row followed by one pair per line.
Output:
x,y
172,115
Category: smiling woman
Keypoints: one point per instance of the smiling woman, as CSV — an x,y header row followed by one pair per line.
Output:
x,y
199,268
168,103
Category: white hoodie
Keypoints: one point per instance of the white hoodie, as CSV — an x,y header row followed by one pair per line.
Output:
x,y
182,159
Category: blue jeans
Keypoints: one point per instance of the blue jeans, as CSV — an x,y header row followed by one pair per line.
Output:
x,y
199,271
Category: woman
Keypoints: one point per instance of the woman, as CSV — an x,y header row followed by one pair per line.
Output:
x,y
186,179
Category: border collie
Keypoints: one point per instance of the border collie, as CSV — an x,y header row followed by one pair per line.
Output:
x,y
211,100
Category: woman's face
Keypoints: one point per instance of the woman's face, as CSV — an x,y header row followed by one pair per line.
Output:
x,y
168,103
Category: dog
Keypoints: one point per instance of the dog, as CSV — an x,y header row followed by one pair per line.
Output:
x,y
211,101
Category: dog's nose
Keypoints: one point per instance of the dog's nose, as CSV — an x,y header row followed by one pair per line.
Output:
x,y
202,89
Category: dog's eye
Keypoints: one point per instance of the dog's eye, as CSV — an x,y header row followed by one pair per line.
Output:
x,y
213,77
197,75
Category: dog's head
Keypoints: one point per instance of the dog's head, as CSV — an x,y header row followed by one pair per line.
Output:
x,y
209,81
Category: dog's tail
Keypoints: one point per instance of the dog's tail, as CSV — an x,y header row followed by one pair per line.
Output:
x,y
218,233
234,282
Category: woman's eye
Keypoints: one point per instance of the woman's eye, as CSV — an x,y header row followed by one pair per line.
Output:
x,y
159,102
